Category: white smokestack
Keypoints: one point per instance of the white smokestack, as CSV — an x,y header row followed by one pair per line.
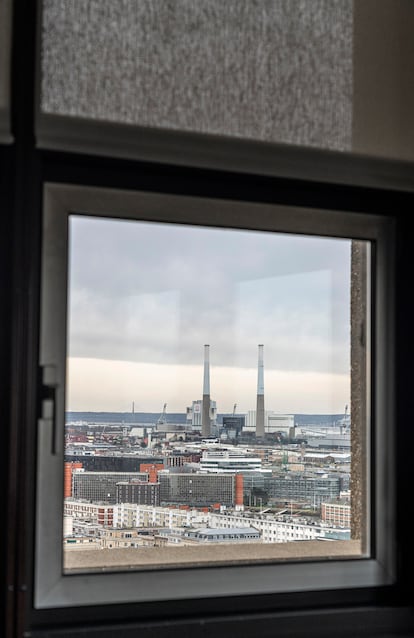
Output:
x,y
260,412
206,423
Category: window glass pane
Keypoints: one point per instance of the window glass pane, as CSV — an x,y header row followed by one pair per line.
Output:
x,y
272,70
208,399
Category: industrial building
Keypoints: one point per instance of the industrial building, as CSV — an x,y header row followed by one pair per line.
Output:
x,y
232,426
273,423
195,414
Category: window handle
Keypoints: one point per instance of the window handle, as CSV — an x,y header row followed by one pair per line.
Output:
x,y
47,395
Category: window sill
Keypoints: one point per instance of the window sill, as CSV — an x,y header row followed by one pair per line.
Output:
x,y
84,560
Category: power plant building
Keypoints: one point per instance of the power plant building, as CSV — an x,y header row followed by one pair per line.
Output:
x,y
273,423
195,414
233,425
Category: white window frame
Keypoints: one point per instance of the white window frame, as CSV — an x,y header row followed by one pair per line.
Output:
x,y
53,589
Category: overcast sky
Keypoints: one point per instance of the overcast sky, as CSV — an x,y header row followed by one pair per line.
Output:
x,y
144,299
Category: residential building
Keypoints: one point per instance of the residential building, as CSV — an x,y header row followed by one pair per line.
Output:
x,y
139,492
220,535
101,486
197,490
96,513
145,516
336,513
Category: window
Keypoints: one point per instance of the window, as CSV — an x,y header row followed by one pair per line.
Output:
x,y
374,564
92,166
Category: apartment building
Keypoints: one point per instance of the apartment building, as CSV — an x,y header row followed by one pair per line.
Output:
x,y
101,486
336,513
139,492
98,513
145,516
278,530
197,490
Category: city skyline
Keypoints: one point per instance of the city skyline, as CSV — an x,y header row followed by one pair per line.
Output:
x,y
144,299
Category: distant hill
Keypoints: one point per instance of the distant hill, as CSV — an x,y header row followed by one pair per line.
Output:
x,y
123,417
176,417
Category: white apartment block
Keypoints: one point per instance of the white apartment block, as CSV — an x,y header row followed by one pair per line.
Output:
x,y
133,515
99,513
272,530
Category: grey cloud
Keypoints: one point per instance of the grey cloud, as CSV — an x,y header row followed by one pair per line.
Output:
x,y
157,293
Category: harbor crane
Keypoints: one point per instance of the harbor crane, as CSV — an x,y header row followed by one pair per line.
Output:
x,y
163,416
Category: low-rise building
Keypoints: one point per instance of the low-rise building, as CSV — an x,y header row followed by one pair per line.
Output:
x,y
111,538
79,542
220,535
98,513
279,529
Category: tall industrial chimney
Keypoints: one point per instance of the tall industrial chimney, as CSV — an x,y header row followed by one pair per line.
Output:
x,y
260,412
206,423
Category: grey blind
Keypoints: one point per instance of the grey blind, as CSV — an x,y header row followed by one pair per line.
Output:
x,y
5,26
276,70
4,52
